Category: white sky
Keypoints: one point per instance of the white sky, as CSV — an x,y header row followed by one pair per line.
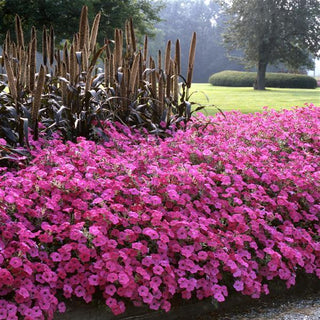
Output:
x,y
315,72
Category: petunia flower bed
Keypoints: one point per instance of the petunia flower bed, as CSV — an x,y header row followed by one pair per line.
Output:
x,y
229,203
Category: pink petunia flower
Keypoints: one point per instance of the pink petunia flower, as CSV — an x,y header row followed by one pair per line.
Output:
x,y
238,285
110,290
15,262
123,278
62,307
143,291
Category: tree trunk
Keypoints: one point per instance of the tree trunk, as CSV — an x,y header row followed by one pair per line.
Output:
x,y
260,82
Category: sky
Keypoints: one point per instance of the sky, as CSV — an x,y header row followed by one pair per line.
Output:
x,y
315,72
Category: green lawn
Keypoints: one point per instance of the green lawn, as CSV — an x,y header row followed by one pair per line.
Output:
x,y
249,100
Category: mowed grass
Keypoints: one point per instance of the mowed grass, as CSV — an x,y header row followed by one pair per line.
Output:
x,y
248,100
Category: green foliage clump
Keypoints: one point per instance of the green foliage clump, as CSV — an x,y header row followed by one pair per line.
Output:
x,y
230,78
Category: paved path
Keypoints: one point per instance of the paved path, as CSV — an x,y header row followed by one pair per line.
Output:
x,y
302,308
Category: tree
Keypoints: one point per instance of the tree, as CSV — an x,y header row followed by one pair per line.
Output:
x,y
114,13
64,15
273,31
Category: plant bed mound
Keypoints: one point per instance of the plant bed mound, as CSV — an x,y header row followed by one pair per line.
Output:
x,y
226,205
306,287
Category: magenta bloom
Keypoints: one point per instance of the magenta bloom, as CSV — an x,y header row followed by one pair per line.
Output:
x,y
61,307
143,291
15,262
238,285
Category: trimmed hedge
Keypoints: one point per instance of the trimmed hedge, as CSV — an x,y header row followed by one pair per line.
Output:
x,y
230,78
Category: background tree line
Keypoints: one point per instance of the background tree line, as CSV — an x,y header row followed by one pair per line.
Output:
x,y
63,15
260,34
161,20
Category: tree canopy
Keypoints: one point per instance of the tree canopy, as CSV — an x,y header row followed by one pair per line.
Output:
x,y
273,31
64,15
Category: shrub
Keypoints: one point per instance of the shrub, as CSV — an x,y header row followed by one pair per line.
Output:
x,y
211,209
277,80
230,78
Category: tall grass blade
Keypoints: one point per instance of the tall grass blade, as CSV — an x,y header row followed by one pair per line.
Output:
x,y
44,46
65,57
73,65
37,96
178,57
134,72
153,79
51,46
23,62
58,62
32,58
128,38
83,28
11,79
19,32
7,44
111,71
63,83
96,56
192,53
167,57
106,72
145,49
132,36
175,83
118,48
159,60
94,32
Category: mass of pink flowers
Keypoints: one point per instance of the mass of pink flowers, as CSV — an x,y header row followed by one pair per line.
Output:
x,y
227,204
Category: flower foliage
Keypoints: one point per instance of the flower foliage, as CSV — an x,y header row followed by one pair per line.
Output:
x,y
226,204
